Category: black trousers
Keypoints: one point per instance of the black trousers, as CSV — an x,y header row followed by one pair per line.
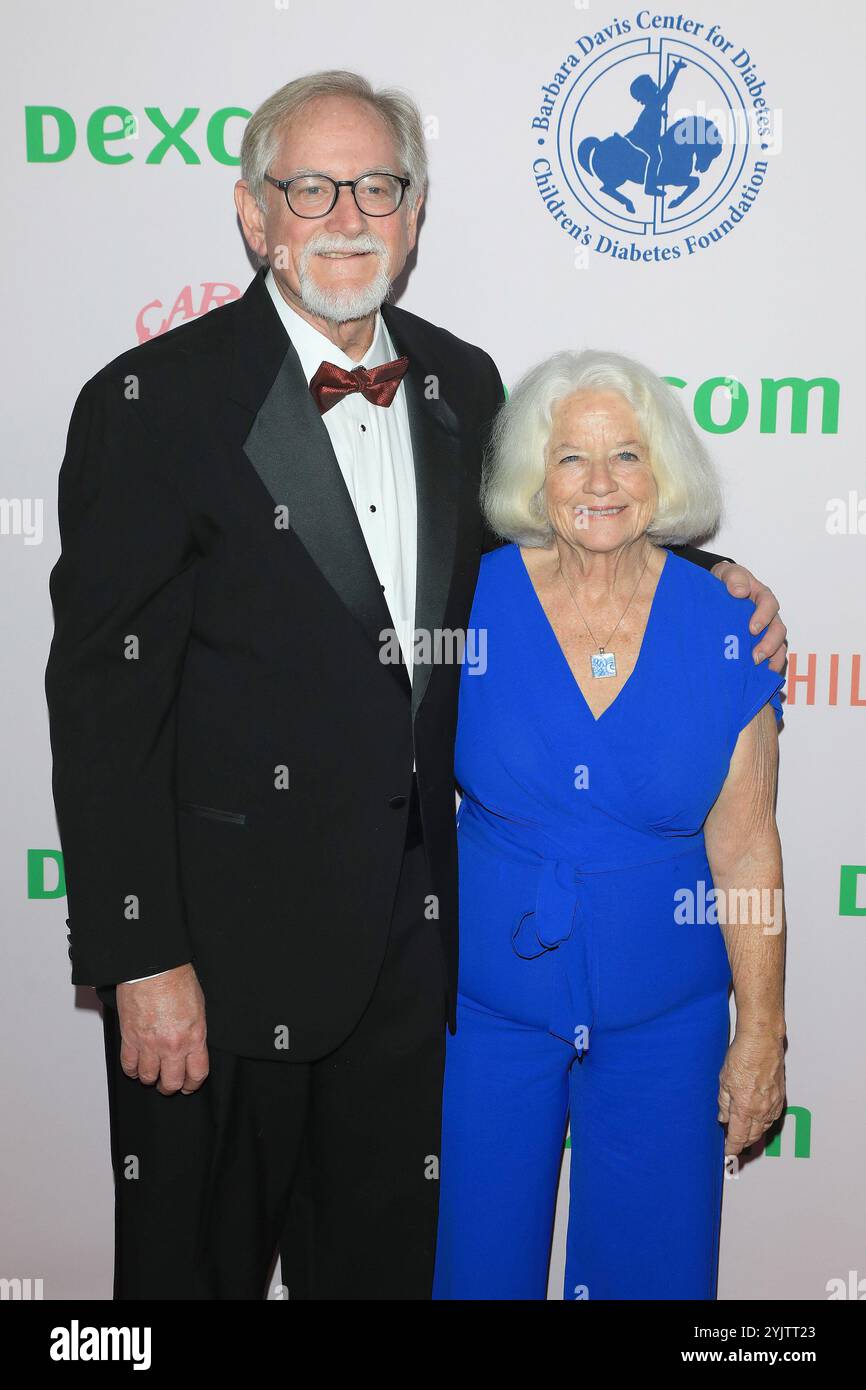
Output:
x,y
335,1161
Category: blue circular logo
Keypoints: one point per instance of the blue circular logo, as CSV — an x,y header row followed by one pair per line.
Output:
x,y
653,138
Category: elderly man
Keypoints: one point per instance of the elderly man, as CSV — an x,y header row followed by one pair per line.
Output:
x,y
255,801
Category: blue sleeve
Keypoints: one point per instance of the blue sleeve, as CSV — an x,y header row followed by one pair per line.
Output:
x,y
758,684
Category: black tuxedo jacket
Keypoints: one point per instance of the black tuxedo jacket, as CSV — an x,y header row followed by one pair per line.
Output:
x,y
232,759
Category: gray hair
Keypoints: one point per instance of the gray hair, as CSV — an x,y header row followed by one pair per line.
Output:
x,y
261,140
689,492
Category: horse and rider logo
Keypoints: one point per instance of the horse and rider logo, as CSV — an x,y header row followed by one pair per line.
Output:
x,y
658,137
657,155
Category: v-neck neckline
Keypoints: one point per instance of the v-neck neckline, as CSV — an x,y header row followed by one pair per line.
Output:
x,y
596,719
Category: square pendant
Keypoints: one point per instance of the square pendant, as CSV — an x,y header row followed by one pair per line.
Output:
x,y
603,664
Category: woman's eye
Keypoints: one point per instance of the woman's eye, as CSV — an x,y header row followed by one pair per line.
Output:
x,y
627,456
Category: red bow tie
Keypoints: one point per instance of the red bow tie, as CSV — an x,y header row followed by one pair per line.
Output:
x,y
377,384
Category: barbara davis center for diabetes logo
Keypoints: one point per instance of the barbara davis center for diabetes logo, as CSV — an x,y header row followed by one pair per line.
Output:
x,y
652,139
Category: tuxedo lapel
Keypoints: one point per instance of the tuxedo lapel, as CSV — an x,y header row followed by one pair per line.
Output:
x,y
290,449
435,448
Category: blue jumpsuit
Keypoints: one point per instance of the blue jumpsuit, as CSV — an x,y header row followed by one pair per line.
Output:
x,y
594,979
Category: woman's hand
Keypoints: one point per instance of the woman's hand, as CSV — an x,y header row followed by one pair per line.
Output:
x,y
751,1085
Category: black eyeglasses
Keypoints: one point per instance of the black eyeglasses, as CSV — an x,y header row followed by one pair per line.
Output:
x,y
376,194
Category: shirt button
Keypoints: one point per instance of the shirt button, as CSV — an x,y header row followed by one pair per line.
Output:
x,y
363,429
372,508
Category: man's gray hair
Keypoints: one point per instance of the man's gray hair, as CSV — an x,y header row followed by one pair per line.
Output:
x,y
261,140
689,492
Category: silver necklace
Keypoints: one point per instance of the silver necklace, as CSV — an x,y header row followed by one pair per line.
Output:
x,y
603,661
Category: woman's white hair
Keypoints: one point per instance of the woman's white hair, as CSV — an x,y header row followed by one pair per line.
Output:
x,y
260,145
689,492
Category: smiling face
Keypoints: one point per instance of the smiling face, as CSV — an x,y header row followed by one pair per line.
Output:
x,y
599,487
337,267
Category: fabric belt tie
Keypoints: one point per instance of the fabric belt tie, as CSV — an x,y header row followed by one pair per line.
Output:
x,y
550,926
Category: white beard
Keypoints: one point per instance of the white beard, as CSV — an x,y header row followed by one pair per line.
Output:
x,y
340,306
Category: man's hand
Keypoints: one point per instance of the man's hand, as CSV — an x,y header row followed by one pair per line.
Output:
x,y
743,584
162,1027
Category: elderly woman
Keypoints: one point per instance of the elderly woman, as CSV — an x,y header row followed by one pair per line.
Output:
x,y
617,759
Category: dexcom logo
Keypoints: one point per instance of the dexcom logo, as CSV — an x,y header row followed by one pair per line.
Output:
x,y
52,134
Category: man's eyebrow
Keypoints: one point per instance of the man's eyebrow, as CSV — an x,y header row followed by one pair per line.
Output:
x,y
373,169
299,173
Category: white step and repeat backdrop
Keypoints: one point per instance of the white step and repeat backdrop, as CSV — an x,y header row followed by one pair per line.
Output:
x,y
122,124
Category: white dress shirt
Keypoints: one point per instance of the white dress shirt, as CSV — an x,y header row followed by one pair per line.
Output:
x,y
374,450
